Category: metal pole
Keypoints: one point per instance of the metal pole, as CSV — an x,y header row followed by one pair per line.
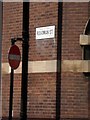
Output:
x,y
11,94
59,48
11,88
1,22
25,47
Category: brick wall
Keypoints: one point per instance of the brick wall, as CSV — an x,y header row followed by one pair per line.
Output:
x,y
42,86
41,15
74,85
41,95
75,16
12,27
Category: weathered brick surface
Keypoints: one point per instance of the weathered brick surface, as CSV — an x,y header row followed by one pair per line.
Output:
x,y
16,95
75,16
42,87
49,119
5,95
41,95
74,102
12,27
42,14
74,85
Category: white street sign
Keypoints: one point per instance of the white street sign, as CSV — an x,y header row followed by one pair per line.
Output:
x,y
45,32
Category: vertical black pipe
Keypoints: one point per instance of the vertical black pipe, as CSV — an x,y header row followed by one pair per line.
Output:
x,y
1,23
25,47
11,88
11,94
59,49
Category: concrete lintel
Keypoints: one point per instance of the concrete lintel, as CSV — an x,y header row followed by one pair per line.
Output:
x,y
76,65
84,40
50,66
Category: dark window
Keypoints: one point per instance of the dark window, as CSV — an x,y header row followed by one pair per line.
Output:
x,y
87,31
87,52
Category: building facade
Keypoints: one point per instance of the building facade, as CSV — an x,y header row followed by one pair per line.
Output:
x,y
58,67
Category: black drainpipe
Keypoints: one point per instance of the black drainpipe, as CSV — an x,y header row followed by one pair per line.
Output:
x,y
59,50
25,49
1,23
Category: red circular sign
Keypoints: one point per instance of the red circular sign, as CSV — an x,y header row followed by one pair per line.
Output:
x,y
14,57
